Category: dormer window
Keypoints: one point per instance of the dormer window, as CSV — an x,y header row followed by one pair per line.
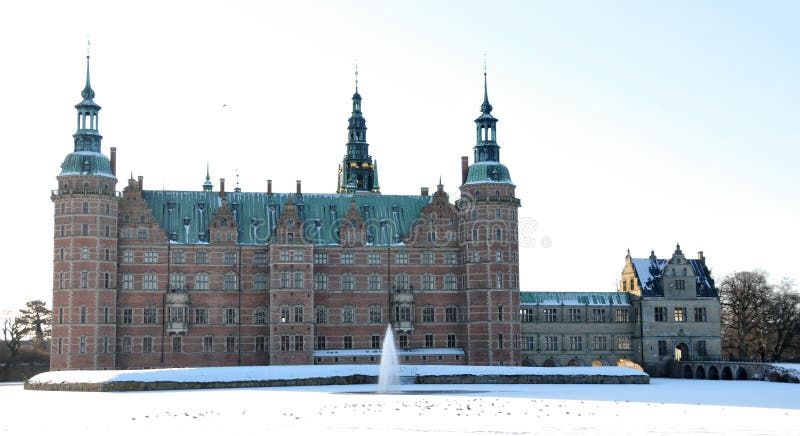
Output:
x,y
223,222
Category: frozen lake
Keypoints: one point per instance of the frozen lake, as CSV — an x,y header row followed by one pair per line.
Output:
x,y
665,406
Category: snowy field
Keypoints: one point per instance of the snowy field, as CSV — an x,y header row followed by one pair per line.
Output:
x,y
665,406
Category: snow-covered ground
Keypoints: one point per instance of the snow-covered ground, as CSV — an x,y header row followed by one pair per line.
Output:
x,y
664,406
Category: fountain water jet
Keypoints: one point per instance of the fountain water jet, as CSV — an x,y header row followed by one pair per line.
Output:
x,y
390,368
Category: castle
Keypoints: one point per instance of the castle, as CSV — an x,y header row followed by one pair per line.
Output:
x,y
159,278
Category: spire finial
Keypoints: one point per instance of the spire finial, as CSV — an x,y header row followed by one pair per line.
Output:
x,y
356,76
208,176
485,107
87,92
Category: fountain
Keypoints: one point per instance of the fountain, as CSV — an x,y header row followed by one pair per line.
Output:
x,y
390,368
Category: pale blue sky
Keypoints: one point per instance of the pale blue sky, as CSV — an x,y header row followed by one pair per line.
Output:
x,y
624,124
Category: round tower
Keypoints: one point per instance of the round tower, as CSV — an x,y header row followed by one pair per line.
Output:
x,y
488,218
85,248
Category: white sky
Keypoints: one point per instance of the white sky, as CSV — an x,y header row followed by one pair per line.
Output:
x,y
632,126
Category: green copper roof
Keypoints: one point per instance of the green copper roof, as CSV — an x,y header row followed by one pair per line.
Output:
x,y
86,162
574,298
187,214
488,172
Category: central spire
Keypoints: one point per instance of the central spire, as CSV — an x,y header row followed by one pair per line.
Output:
x,y
486,148
357,172
87,136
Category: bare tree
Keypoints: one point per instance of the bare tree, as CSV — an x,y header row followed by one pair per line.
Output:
x,y
13,332
782,318
743,296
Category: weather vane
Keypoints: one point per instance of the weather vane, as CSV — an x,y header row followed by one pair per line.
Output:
x,y
484,64
88,45
356,75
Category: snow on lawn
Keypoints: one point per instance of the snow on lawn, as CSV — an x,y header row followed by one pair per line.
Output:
x,y
247,373
664,406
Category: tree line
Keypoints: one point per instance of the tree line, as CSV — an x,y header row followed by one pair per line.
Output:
x,y
760,320
26,336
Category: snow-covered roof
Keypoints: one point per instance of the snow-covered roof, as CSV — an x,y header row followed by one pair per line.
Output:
x,y
574,299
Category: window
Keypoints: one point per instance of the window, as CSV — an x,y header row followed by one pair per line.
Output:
x,y
230,282
700,314
84,253
201,315
426,258
500,341
429,340
662,348
576,343
551,343
320,258
427,314
177,344
375,282
150,282
403,341
230,258
201,282
374,259
106,280
298,343
347,342
150,315
127,344
475,234
177,282
260,282
500,312
700,348
127,315
375,314
680,284
320,282
127,281
229,315
622,315
230,344
428,282
107,254
680,314
285,311
402,313
550,315
348,314
298,314
259,316
450,314
623,343
260,257
574,314
451,340
201,257
299,279
261,344
450,259
601,342
527,315
529,342
375,341
150,256
321,315
401,282
660,314
320,343
147,344
498,234
298,256
285,275
83,315
84,279
348,282
284,255
105,344
450,282
346,259
401,258
177,314
498,256
178,256
208,344
85,229
598,315
476,257
85,208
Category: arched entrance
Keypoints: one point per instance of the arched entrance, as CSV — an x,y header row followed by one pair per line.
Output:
x,y
549,363
713,373
687,372
727,374
573,362
741,374
681,352
700,372
597,362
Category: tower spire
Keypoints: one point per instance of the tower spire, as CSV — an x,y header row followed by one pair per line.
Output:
x,y
357,173
486,108
207,185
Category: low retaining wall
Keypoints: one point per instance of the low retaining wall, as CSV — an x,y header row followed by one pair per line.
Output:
x,y
354,379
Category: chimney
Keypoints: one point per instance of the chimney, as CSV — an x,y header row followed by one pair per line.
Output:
x,y
464,169
114,161
423,191
269,186
222,187
141,183
701,258
299,191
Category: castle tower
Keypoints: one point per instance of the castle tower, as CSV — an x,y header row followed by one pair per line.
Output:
x,y
488,219
85,248
357,173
